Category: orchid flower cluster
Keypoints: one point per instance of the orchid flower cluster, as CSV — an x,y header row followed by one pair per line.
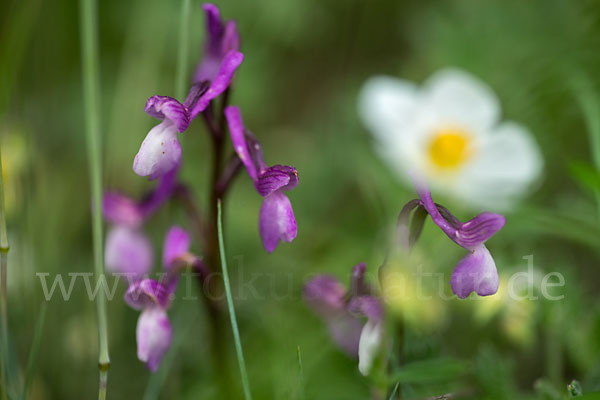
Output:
x,y
129,251
343,310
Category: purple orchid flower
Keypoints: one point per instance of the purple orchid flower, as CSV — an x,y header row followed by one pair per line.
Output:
x,y
276,218
160,151
221,39
343,311
153,298
127,249
476,272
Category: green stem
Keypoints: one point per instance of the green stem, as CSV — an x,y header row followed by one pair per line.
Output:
x,y
300,375
182,56
3,289
234,326
89,50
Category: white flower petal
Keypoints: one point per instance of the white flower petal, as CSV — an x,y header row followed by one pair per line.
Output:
x,y
506,164
455,97
154,335
368,345
160,151
385,106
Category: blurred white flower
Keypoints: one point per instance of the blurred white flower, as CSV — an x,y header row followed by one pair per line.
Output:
x,y
449,130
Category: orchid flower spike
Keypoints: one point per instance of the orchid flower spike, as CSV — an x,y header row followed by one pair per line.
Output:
x,y
128,250
476,272
160,151
153,298
343,310
276,220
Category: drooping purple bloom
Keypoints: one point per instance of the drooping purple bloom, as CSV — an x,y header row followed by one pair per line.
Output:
x,y
177,243
476,272
153,298
128,250
276,219
160,151
147,293
344,310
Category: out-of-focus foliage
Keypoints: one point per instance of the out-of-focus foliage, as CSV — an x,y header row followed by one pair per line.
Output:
x,y
305,62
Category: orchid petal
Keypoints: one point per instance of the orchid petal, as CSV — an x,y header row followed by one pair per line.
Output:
x,y
154,335
120,209
276,220
470,234
475,272
161,193
165,107
238,139
177,242
214,28
325,295
128,251
220,83
479,229
147,293
345,330
368,345
160,151
231,38
358,286
369,306
277,177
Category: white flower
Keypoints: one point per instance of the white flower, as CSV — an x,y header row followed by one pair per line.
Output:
x,y
449,130
368,345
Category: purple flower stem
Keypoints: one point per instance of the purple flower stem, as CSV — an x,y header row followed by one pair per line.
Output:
x,y
232,168
209,119
184,194
219,348
224,103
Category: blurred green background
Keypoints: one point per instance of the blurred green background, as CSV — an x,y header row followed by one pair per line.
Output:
x,y
305,61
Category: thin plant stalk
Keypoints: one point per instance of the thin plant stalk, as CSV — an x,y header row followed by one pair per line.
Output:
x,y
3,289
91,93
34,351
182,56
234,326
300,375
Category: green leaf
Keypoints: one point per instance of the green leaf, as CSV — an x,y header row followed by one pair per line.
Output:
x,y
430,371
586,175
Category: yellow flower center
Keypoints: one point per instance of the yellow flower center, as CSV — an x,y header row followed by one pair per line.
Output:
x,y
449,148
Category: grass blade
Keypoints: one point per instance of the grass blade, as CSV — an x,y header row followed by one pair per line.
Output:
x,y
91,94
3,290
300,375
34,351
394,391
234,326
